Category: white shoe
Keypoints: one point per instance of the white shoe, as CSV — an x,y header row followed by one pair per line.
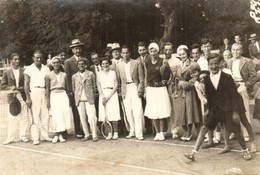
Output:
x,y
231,136
7,142
246,138
109,137
61,138
157,137
175,136
24,139
55,139
115,136
161,137
140,138
36,142
253,147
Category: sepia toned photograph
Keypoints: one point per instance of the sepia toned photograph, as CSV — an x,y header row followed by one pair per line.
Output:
x,y
129,87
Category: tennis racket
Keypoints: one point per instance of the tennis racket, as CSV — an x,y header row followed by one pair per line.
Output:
x,y
15,105
34,130
106,126
125,117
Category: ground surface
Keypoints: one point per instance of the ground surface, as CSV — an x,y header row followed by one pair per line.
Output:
x,y
120,157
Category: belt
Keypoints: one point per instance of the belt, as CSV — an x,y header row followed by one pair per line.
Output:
x,y
39,87
156,84
240,81
129,82
108,88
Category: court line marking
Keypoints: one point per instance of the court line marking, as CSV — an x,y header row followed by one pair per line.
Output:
x,y
96,160
180,145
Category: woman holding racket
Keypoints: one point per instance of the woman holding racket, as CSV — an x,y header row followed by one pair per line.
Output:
x,y
108,98
57,99
158,106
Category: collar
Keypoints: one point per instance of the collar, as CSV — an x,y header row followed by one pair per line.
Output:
x,y
214,75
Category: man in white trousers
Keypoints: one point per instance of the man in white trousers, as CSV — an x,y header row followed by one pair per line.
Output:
x,y
13,82
131,78
36,96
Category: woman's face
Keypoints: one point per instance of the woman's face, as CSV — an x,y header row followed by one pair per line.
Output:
x,y
153,52
56,64
105,65
182,54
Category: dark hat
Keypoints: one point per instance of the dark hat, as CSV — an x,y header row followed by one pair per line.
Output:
x,y
76,43
253,36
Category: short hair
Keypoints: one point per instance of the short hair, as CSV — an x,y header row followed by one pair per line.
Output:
x,y
82,60
227,51
225,38
204,41
195,46
237,44
125,47
38,52
93,53
105,59
214,55
13,55
168,44
204,72
142,44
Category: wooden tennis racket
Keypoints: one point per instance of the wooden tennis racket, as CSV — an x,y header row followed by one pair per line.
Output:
x,y
34,130
106,126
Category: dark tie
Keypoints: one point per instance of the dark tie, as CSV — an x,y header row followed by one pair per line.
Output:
x,y
97,68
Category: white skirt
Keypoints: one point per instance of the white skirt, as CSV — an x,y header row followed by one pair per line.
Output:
x,y
112,107
158,103
60,111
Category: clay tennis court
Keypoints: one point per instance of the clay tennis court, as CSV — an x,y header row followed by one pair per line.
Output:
x,y
123,156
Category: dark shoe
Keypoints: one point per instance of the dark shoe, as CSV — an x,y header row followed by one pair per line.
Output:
x,y
86,138
206,146
190,157
225,150
95,139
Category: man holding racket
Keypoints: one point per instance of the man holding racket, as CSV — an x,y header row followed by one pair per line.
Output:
x,y
13,81
35,96
131,76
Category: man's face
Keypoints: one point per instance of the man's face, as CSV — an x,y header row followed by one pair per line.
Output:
x,y
225,41
62,56
37,58
125,54
77,51
206,48
168,51
253,41
81,66
214,65
116,54
15,61
95,59
142,50
195,54
236,51
237,39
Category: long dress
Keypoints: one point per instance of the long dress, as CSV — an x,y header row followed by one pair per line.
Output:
x,y
186,105
59,101
106,80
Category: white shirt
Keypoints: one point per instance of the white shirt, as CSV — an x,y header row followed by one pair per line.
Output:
x,y
117,61
215,79
37,76
235,70
257,46
77,58
203,63
16,76
127,72
82,95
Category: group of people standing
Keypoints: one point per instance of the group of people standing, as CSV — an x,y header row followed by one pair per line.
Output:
x,y
191,88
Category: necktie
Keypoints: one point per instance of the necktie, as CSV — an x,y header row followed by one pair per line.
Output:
x,y
97,68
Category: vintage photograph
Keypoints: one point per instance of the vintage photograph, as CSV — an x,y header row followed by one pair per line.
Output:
x,y
129,87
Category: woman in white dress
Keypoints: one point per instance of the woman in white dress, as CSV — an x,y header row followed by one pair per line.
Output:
x,y
108,97
57,99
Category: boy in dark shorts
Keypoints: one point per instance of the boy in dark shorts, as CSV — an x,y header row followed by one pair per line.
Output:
x,y
221,94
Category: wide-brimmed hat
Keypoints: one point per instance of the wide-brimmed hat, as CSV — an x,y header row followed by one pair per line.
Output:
x,y
76,43
115,46
253,36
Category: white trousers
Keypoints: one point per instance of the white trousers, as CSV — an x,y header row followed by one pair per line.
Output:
x,y
20,121
87,112
133,109
40,112
243,92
